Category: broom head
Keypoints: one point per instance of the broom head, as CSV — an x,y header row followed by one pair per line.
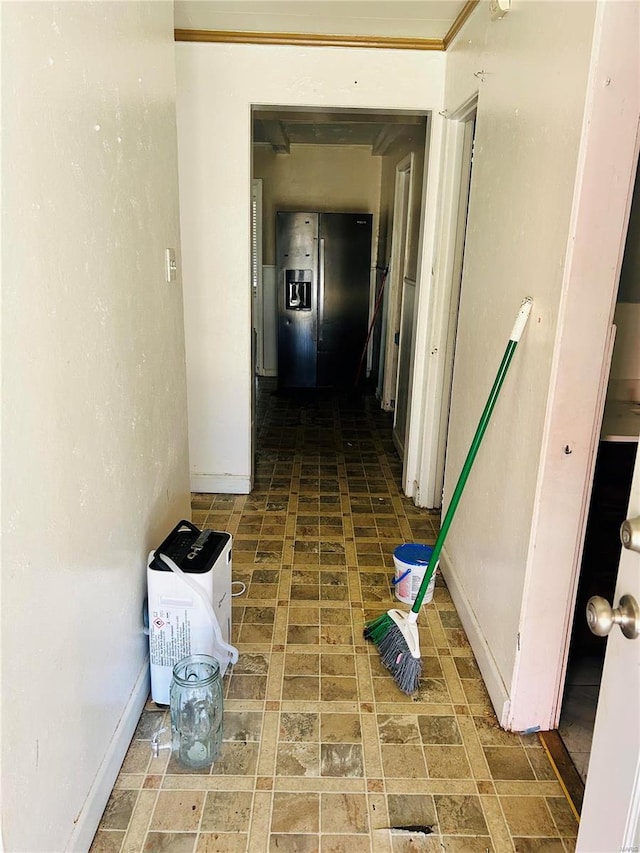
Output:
x,y
395,635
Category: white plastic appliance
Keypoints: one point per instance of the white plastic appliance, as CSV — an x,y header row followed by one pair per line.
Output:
x,y
189,602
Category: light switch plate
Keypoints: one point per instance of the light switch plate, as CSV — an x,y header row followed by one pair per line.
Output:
x,y
170,265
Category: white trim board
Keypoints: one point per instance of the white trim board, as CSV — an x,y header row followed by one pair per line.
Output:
x,y
269,321
93,807
226,484
402,203
485,660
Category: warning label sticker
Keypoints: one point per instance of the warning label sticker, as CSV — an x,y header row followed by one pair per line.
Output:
x,y
170,639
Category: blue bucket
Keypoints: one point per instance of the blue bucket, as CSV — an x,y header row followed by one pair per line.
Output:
x,y
411,561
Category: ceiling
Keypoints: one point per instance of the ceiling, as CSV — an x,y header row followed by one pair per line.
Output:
x,y
420,19
282,128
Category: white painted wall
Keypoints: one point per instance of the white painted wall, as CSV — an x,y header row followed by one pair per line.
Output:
x,y
326,178
530,70
94,468
630,272
217,84
624,381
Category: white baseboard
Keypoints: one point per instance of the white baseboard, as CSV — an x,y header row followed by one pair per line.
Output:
x,y
99,793
486,662
225,484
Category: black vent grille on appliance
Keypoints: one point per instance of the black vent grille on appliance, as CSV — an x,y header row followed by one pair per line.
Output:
x,y
194,551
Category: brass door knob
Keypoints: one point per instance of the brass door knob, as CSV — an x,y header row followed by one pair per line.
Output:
x,y
630,534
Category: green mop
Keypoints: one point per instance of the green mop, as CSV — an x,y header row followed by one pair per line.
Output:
x,y
395,633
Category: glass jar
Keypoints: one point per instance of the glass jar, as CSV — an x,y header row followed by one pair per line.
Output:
x,y
195,698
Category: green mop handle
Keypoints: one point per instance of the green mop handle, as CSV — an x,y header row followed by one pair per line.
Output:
x,y
518,328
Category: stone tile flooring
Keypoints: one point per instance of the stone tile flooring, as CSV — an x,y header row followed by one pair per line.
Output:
x,y
321,751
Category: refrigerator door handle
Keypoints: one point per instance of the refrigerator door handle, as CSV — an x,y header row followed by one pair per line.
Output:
x,y
321,289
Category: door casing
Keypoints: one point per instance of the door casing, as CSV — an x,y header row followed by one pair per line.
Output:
x,y
457,156
399,238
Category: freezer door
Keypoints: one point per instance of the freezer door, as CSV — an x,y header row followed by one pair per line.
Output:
x,y
343,311
297,285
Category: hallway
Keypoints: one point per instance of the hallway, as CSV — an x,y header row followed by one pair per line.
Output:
x,y
321,751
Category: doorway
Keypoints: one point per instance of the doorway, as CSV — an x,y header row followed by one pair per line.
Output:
x,y
608,505
337,161
401,304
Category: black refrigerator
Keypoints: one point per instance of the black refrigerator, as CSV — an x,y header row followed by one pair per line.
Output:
x,y
323,263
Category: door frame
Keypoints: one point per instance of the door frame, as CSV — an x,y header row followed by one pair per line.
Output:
x,y
456,193
216,236
599,221
256,273
402,197
406,356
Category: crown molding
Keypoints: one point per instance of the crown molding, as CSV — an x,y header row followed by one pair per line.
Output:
x,y
308,39
318,40
457,25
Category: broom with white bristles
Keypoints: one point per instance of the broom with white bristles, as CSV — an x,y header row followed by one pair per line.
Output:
x,y
395,633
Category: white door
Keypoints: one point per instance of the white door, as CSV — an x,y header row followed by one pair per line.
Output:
x,y
405,357
611,804
399,236
403,353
